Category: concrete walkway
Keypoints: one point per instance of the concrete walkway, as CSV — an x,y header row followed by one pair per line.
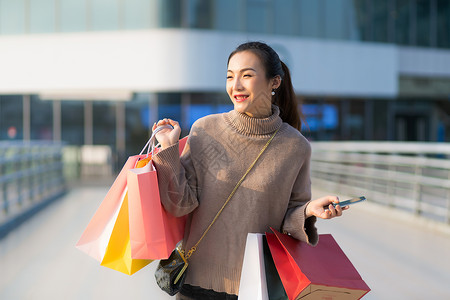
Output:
x,y
398,257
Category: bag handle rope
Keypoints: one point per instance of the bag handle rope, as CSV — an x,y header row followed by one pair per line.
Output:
x,y
194,248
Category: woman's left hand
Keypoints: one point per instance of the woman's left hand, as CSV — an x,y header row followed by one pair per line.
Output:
x,y
322,208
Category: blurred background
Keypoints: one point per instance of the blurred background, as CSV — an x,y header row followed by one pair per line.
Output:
x,y
82,82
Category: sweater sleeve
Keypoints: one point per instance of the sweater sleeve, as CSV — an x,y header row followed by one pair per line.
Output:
x,y
295,222
177,180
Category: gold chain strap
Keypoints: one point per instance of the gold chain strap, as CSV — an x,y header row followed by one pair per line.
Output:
x,y
194,248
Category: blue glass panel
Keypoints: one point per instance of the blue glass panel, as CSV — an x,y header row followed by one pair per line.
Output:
x,y
170,14
73,15
258,16
196,111
310,17
443,23
336,19
228,15
41,119
423,33
42,16
12,16
285,15
104,123
380,20
200,13
364,21
11,117
105,15
140,14
402,19
72,122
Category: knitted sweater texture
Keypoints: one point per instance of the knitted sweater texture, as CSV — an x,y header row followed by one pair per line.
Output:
x,y
219,150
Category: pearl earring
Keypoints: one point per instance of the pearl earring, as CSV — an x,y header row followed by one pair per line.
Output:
x,y
273,93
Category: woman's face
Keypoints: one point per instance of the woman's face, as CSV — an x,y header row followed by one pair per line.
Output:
x,y
248,87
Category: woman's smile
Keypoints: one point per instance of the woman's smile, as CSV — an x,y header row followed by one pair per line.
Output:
x,y
240,97
248,86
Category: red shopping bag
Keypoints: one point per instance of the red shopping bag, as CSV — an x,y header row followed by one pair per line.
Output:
x,y
154,232
320,272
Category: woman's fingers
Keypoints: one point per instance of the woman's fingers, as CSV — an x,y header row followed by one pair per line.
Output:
x,y
167,136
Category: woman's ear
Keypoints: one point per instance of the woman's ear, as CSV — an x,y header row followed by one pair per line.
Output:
x,y
276,82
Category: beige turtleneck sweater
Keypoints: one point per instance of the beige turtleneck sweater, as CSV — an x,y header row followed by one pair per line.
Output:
x,y
219,150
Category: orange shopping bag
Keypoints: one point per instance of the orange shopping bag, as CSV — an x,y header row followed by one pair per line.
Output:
x,y
154,232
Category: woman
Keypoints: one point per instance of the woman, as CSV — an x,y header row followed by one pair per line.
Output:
x,y
277,191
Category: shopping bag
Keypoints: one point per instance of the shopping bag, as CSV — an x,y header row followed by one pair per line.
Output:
x,y
106,237
253,277
95,237
118,251
320,272
275,288
154,232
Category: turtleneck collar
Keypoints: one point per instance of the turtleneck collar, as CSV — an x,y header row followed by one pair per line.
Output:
x,y
246,125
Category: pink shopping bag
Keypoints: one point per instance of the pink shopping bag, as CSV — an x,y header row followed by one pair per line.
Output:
x,y
154,232
96,236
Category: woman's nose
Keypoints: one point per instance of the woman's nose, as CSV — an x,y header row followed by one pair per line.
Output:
x,y
237,84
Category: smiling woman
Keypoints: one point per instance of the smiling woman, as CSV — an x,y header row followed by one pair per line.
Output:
x,y
248,87
274,84
275,193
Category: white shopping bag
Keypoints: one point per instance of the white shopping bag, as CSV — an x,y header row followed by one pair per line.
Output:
x,y
253,284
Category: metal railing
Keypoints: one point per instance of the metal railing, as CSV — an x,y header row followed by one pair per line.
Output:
x,y
406,175
31,175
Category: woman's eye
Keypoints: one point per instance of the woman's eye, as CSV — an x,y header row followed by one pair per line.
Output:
x,y
247,75
229,77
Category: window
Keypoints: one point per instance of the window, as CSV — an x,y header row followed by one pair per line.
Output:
x,y
11,117
443,23
200,14
380,20
12,17
139,14
310,16
258,17
423,24
286,22
72,122
402,20
104,119
170,13
337,19
42,16
73,15
364,20
41,119
105,15
228,15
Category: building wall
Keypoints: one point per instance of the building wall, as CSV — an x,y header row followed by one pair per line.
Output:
x,y
101,72
186,60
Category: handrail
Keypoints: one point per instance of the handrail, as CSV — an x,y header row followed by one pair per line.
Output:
x,y
31,175
406,175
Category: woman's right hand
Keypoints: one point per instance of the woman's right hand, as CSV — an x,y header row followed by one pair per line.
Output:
x,y
167,137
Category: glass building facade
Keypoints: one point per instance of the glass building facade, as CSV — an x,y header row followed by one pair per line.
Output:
x,y
123,125
424,23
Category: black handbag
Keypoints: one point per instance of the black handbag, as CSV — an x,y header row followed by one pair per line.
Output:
x,y
171,272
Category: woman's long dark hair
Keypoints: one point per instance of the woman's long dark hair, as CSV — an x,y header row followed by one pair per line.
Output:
x,y
284,96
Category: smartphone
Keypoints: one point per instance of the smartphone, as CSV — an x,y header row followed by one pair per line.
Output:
x,y
348,202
